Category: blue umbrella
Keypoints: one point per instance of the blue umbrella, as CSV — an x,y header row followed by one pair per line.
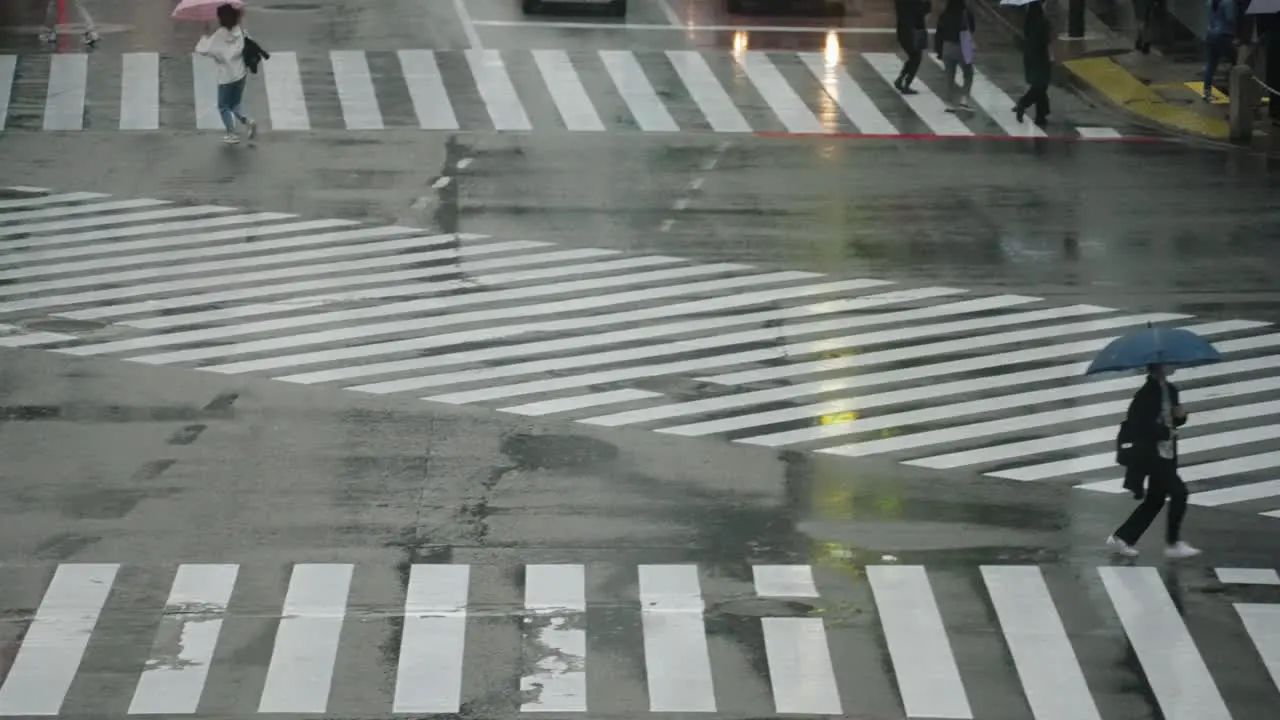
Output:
x,y
1154,346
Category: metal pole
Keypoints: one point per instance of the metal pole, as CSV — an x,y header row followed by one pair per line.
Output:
x,y
1240,111
1075,19
62,12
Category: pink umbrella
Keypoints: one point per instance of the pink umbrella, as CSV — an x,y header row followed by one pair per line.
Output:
x,y
202,10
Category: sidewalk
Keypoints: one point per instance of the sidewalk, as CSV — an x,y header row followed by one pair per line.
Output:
x,y
1163,89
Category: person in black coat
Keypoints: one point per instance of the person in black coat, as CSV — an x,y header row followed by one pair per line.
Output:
x,y
913,37
1037,36
1150,432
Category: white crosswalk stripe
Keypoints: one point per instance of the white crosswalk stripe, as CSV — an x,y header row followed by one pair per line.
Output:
x,y
486,90
197,621
930,376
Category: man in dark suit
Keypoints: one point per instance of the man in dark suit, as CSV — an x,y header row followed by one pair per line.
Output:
x,y
1152,427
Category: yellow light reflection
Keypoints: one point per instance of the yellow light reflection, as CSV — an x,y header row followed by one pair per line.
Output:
x,y
831,51
838,418
740,42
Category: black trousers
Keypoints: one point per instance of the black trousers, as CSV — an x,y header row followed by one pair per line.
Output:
x,y
1037,95
1162,482
911,66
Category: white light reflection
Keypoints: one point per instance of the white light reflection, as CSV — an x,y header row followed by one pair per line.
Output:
x,y
740,42
831,51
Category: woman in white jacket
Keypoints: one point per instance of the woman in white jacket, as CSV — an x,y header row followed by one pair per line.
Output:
x,y
226,47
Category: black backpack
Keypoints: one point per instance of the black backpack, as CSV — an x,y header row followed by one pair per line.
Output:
x,y
254,54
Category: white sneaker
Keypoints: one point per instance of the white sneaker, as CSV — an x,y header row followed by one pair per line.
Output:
x,y
91,38
1121,547
231,139
1180,550
49,36
251,128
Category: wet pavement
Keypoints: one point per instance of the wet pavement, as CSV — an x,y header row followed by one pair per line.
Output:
x,y
733,421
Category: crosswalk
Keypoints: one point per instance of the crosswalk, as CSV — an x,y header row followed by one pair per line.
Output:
x,y
856,367
519,91
222,639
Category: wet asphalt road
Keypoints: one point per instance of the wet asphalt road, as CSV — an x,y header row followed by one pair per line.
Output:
x,y
150,467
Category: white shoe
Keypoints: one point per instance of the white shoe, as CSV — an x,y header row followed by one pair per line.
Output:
x,y
49,36
231,139
1121,547
251,128
1180,550
91,38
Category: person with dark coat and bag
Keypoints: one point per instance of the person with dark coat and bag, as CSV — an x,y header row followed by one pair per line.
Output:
x,y
1147,446
913,37
1037,36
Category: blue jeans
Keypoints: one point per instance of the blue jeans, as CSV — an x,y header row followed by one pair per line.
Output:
x,y
229,97
1219,46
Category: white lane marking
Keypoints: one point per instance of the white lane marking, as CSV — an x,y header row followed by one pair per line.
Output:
x,y
204,79
996,104
1098,133
707,93
699,344
173,682
1175,671
555,633
1262,623
923,662
85,209
122,218
551,407
1264,490
1272,513
702,363
1094,436
1042,654
468,25
356,95
1203,471
243,235
499,95
627,27
306,647
1099,461
675,639
850,381
464,163
102,263
659,312
430,99
987,428
150,228
852,99
40,338
68,81
784,581
778,93
54,645
637,92
8,71
49,199
252,261
409,306
329,283
924,103
140,91
285,98
567,91
1248,576
433,641
800,670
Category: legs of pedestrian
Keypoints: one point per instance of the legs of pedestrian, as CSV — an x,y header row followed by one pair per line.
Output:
x,y
1163,482
967,70
909,70
229,97
50,32
1214,53
950,62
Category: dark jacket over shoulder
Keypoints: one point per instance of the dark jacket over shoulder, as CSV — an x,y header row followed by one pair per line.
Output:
x,y
1144,426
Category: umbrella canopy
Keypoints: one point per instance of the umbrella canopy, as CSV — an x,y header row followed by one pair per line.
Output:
x,y
1154,346
1263,7
1020,3
202,10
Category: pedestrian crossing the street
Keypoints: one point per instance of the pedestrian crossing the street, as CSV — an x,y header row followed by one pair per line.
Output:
x,y
935,377
104,639
518,91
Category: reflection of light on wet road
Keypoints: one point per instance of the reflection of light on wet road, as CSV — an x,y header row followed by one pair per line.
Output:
x,y
831,51
740,42
836,418
828,109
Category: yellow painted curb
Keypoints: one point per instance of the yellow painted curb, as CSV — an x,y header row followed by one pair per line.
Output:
x,y
1127,91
